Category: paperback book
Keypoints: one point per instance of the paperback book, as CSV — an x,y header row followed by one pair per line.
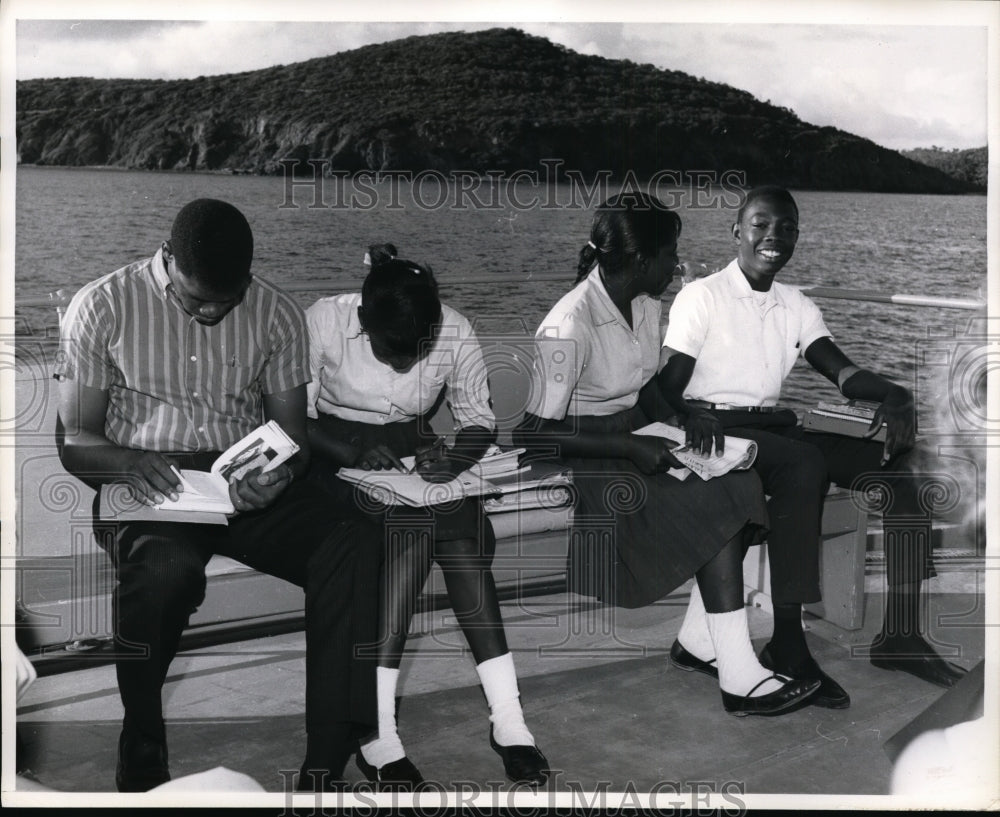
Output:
x,y
738,455
207,492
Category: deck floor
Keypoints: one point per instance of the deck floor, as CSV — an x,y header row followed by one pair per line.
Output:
x,y
598,691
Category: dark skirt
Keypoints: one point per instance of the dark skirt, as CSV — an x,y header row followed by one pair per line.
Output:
x,y
637,537
455,520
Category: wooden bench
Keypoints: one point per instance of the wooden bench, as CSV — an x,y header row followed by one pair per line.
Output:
x,y
69,597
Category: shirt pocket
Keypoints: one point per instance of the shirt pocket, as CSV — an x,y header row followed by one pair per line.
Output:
x,y
237,381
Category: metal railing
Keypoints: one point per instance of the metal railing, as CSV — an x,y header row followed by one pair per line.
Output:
x,y
60,298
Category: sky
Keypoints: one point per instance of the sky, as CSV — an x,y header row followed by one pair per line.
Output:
x,y
903,74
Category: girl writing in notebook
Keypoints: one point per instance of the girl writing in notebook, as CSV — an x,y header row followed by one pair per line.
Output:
x,y
592,386
380,361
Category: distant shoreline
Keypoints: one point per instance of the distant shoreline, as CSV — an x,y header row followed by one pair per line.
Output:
x,y
451,176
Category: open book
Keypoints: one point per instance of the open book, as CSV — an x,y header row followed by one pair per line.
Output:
x,y
738,456
204,495
266,448
405,488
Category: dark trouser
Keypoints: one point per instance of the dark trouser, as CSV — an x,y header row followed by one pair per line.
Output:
x,y
333,555
796,468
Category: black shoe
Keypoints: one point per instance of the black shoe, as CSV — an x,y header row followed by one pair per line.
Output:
x,y
682,659
774,703
399,775
914,655
830,694
142,763
523,764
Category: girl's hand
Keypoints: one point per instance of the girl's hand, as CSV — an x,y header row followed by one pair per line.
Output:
x,y
703,431
898,413
652,455
379,458
434,464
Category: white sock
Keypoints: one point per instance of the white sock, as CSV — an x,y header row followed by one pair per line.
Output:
x,y
739,669
694,635
387,747
499,682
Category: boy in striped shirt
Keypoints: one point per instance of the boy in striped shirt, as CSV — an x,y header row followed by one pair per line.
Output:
x,y
164,364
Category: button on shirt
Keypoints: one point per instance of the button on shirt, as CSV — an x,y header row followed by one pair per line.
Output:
x,y
744,342
588,360
349,382
175,384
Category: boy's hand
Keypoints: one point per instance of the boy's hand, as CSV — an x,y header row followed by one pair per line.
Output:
x,y
259,489
150,476
898,413
703,431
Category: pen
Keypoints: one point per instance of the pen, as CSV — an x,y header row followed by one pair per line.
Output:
x,y
439,442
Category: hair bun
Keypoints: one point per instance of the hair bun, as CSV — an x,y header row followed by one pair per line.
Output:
x,y
380,254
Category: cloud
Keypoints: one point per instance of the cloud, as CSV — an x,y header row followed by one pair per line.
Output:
x,y
183,50
102,30
896,85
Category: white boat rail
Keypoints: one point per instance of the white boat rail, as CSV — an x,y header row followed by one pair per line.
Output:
x,y
61,298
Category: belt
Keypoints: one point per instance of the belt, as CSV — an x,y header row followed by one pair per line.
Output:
x,y
730,407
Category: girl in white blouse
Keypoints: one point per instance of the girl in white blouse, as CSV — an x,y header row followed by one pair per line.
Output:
x,y
380,361
592,386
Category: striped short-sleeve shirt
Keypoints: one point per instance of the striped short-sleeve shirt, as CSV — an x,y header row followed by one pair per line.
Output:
x,y
173,383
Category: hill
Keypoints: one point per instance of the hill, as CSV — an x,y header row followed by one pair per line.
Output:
x,y
492,100
968,166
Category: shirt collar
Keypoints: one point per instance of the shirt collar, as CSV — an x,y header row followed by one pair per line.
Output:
x,y
159,270
354,329
741,286
604,308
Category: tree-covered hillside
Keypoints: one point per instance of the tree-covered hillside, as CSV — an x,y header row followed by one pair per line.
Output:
x,y
492,100
969,166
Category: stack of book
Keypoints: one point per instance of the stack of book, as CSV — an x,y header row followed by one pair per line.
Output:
x,y
850,419
534,486
496,463
536,498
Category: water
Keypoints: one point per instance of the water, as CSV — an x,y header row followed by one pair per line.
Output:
x,y
76,224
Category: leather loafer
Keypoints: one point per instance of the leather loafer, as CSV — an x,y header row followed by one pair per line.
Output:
x,y
142,763
682,659
774,703
914,655
523,764
400,775
830,694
